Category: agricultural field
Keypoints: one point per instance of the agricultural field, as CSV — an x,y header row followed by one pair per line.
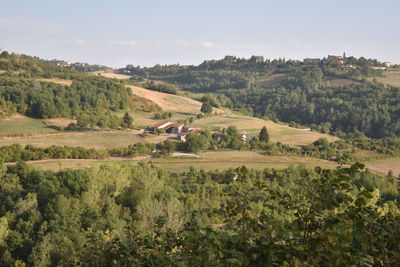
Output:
x,y
89,139
111,75
211,160
251,126
169,102
58,122
22,125
384,165
391,77
221,160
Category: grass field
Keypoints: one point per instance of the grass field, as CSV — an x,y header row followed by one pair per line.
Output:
x,y
252,126
391,77
95,139
169,102
384,165
22,125
220,160
59,122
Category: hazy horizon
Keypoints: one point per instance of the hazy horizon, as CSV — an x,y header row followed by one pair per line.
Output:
x,y
159,32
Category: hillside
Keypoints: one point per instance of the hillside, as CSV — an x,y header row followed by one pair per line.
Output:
x,y
157,182
143,105
329,95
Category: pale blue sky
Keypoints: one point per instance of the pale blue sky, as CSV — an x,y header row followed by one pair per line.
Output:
x,y
120,32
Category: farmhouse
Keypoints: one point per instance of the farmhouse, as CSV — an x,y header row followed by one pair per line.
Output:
x,y
388,64
174,128
244,138
331,57
158,126
191,128
217,136
335,59
60,63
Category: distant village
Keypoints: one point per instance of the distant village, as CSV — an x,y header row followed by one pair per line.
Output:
x,y
340,61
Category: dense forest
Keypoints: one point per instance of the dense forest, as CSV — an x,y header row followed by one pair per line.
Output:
x,y
22,91
301,94
117,215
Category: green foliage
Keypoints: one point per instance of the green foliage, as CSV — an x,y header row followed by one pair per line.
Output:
x,y
206,108
134,150
121,215
301,95
16,152
161,87
264,135
127,120
88,93
166,148
163,115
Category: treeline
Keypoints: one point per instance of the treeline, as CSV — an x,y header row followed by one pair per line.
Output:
x,y
16,152
161,87
33,67
50,100
20,92
120,215
102,120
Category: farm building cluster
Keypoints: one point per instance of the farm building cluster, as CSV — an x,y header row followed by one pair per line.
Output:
x,y
182,130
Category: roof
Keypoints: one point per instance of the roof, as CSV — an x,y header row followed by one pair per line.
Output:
x,y
177,125
160,124
192,127
216,133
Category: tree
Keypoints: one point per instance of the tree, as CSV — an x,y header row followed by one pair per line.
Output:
x,y
264,135
166,148
206,108
127,120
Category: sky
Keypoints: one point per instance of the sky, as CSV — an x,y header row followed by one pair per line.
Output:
x,y
148,32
